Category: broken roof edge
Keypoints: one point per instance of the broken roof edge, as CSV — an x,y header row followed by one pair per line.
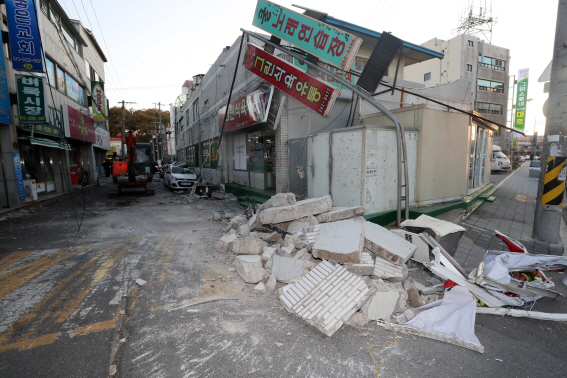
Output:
x,y
324,17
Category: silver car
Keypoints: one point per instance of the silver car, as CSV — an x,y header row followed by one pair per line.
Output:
x,y
179,178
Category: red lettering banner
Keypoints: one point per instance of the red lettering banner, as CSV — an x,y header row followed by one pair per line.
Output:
x,y
311,92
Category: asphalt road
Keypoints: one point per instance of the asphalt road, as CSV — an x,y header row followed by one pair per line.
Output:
x,y
67,299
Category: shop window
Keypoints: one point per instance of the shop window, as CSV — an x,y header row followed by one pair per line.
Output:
x,y
50,68
256,152
210,152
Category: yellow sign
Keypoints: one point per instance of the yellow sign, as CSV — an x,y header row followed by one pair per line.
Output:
x,y
515,143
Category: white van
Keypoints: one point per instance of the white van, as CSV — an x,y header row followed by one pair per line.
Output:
x,y
499,161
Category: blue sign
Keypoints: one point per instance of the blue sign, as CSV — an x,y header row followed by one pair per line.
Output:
x,y
19,177
24,35
5,107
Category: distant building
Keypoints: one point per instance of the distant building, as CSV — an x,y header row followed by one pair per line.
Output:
x,y
485,66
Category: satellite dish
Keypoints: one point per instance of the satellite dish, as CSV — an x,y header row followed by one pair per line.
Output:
x,y
181,99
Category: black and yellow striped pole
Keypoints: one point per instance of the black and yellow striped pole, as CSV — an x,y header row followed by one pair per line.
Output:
x,y
553,185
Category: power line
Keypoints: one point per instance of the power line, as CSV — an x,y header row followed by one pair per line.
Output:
x,y
106,45
86,14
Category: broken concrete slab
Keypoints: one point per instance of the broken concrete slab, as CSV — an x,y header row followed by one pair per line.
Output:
x,y
413,294
244,229
288,250
312,206
248,246
385,269
254,223
141,282
340,241
301,253
260,287
250,268
268,253
288,240
326,297
278,200
225,243
383,305
340,213
386,244
289,270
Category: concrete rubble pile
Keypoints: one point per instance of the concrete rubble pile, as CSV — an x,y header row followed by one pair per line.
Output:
x,y
330,267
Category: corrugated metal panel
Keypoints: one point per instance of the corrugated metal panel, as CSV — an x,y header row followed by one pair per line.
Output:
x,y
298,166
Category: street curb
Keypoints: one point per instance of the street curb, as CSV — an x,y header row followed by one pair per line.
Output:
x,y
506,179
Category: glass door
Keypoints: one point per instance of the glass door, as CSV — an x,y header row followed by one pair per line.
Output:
x,y
472,156
270,175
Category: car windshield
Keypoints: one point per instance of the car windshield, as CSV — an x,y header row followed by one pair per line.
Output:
x,y
500,155
182,171
536,164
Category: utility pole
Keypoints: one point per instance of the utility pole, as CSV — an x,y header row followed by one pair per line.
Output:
x,y
123,127
156,138
512,116
159,113
547,219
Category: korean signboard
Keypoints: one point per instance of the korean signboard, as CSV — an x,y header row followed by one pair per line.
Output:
x,y
53,126
521,99
102,138
24,35
346,75
247,110
210,154
5,108
32,100
311,92
329,44
81,126
19,177
99,102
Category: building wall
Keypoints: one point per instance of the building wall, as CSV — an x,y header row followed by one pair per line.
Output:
x,y
458,54
442,152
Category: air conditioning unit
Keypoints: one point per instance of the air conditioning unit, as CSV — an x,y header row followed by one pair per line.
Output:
x,y
30,190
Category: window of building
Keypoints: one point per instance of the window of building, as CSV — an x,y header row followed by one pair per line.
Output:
x,y
61,87
74,90
88,69
427,76
493,63
484,107
45,7
471,44
68,34
492,86
256,151
50,68
360,63
54,16
469,67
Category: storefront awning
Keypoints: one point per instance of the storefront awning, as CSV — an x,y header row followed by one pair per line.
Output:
x,y
49,143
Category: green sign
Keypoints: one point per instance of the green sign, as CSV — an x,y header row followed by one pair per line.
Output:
x,y
32,101
521,99
331,45
99,101
344,74
210,154
53,127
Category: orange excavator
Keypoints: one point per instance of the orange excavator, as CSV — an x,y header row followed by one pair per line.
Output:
x,y
127,177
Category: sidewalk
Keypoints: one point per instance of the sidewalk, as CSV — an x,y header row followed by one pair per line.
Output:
x,y
512,213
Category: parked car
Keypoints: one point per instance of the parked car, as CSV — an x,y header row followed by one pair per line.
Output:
x,y
536,157
499,161
535,168
527,157
179,178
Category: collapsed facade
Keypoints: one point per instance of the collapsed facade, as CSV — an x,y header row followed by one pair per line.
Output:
x,y
286,147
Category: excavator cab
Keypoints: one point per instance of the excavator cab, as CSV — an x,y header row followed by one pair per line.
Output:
x,y
125,171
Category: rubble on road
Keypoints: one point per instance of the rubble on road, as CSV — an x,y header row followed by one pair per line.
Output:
x,y
330,267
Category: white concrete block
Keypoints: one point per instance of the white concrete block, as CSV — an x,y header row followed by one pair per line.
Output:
x,y
268,253
340,213
249,246
250,268
260,287
312,206
379,240
326,297
278,200
382,305
289,270
340,241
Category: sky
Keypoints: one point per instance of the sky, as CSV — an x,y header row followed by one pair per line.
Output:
x,y
154,46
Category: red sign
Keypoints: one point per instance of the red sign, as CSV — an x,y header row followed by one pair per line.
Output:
x,y
310,91
80,126
247,111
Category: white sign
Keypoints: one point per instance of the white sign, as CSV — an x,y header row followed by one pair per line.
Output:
x,y
102,138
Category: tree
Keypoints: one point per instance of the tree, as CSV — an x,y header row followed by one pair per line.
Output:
x,y
139,121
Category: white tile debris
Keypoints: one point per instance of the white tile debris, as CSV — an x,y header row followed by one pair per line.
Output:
x,y
387,270
326,297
